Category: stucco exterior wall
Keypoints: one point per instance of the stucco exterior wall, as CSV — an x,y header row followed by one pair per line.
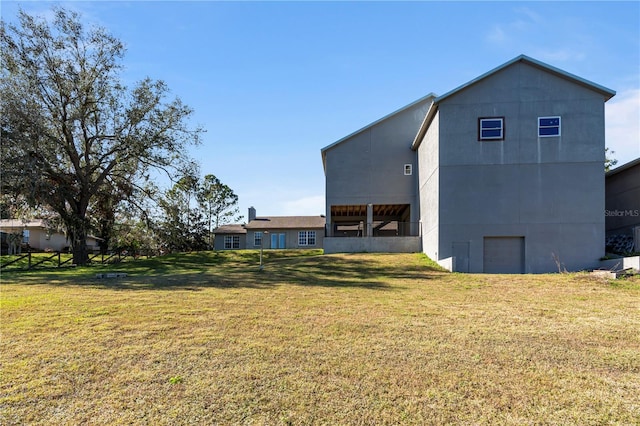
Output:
x,y
218,242
55,242
372,245
291,239
429,188
41,239
548,190
368,168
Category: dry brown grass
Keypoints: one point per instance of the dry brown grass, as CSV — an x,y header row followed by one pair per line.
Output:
x,y
339,339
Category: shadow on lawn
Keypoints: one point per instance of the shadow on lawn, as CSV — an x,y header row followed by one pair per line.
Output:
x,y
194,271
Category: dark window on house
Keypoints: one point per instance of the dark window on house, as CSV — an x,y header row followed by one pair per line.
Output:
x,y
491,129
307,238
408,169
548,126
257,239
232,241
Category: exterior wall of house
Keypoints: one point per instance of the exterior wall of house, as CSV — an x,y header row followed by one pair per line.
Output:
x,y
41,239
218,242
549,191
372,245
291,239
622,213
429,188
55,242
368,168
247,241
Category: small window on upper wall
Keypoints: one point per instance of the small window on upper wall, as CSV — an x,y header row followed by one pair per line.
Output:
x,y
408,169
491,129
548,126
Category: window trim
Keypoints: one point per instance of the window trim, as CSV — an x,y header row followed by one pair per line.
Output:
x,y
257,242
306,238
491,138
559,126
231,242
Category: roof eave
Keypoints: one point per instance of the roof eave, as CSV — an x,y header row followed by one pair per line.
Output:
x,y
424,126
623,167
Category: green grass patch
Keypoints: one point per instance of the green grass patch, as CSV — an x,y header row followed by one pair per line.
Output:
x,y
206,338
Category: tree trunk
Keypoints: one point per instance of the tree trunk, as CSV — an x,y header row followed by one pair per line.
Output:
x,y
80,254
77,227
79,246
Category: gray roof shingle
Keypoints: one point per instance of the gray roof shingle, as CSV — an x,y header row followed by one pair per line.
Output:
x,y
287,222
230,229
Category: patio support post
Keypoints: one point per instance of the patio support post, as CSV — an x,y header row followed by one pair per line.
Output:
x,y
369,220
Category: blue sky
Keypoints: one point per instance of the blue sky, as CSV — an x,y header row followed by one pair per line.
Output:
x,y
275,82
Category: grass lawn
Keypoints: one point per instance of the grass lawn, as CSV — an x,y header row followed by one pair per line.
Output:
x,y
335,339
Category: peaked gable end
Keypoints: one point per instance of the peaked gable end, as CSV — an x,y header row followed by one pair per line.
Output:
x,y
504,69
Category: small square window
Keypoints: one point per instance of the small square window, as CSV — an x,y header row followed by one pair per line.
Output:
x,y
549,127
408,169
491,129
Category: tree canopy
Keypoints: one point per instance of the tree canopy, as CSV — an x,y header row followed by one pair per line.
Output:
x,y
191,209
74,138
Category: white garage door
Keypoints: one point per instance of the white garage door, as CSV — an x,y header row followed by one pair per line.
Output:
x,y
504,255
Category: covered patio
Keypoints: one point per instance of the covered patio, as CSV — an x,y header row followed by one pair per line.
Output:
x,y
371,228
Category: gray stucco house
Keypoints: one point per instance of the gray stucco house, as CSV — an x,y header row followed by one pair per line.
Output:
x,y
272,232
504,174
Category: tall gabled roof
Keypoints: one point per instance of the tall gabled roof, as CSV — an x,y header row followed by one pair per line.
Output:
x,y
606,93
386,117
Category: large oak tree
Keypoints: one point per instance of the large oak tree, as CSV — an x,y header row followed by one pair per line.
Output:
x,y
73,136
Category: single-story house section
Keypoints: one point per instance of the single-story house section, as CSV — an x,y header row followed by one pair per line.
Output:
x,y
230,237
504,174
272,232
37,236
622,202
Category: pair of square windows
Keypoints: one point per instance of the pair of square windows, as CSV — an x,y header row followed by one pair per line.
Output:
x,y
492,128
232,241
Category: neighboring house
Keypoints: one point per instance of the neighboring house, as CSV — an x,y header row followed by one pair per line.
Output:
x,y
37,236
622,202
272,232
507,170
230,237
